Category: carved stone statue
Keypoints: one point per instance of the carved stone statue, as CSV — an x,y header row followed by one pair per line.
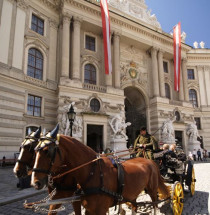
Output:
x,y
118,126
168,131
192,132
77,127
65,125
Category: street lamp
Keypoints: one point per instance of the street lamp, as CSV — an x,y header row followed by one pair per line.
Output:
x,y
71,116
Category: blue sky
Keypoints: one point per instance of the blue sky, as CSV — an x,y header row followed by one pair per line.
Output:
x,y
194,16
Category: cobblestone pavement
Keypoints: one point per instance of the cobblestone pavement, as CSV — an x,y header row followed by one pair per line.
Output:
x,y
199,204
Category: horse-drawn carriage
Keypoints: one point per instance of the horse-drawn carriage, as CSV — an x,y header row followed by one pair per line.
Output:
x,y
65,163
177,171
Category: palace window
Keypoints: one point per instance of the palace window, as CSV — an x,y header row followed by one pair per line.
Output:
x,y
90,74
165,66
190,74
95,105
198,122
35,64
167,91
34,105
90,43
37,24
193,97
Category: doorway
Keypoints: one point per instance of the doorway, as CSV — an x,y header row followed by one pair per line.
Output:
x,y
178,137
135,112
95,137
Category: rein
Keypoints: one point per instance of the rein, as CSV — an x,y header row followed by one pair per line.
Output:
x,y
76,168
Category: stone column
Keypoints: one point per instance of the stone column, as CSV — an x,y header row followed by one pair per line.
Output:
x,y
117,60
181,90
184,76
76,49
155,78
161,74
53,50
108,78
12,34
201,79
65,45
207,83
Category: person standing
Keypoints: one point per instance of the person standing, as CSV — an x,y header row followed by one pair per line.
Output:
x,y
199,155
145,144
194,154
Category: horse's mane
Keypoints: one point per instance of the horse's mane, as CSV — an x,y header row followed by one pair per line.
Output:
x,y
76,142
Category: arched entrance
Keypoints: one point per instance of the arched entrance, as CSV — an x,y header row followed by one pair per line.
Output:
x,y
135,112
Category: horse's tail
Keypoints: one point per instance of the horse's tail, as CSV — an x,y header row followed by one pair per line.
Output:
x,y
163,190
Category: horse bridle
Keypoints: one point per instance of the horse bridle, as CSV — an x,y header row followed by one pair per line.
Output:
x,y
31,149
56,149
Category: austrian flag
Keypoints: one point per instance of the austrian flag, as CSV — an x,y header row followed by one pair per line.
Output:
x,y
177,55
106,36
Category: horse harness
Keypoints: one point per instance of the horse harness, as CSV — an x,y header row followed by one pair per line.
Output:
x,y
87,191
102,190
52,153
32,145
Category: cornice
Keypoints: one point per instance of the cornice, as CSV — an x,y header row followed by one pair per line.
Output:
x,y
52,4
23,4
190,57
129,24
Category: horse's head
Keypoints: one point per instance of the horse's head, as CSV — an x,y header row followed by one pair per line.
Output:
x,y
25,160
46,161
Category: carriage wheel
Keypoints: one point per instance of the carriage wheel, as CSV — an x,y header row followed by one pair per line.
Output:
x,y
192,185
177,199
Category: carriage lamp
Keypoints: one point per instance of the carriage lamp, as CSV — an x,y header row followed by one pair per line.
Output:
x,y
71,116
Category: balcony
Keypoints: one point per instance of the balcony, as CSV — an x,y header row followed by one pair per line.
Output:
x,y
94,87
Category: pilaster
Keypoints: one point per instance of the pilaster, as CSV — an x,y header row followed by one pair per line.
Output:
x,y
161,73
117,59
76,73
155,78
65,45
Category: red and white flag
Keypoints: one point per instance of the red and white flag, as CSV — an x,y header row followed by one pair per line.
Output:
x,y
177,55
106,36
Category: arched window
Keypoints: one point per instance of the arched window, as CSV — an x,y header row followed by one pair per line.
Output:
x,y
193,97
35,64
167,91
90,74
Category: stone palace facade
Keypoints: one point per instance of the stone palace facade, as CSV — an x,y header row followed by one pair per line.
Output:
x,y
51,56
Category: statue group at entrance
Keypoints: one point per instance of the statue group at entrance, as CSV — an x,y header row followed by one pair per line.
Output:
x,y
118,127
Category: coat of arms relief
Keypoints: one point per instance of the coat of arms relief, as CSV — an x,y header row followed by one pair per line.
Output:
x,y
133,67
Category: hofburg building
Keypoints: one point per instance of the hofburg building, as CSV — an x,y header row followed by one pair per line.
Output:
x,y
51,55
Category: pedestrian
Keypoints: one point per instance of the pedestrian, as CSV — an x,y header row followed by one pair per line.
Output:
x,y
199,155
204,155
3,161
190,156
145,144
194,154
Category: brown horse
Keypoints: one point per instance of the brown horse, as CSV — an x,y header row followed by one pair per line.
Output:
x,y
98,180
65,186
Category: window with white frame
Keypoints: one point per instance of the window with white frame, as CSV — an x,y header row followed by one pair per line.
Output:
x,y
193,97
35,64
90,43
37,24
90,74
165,66
190,74
34,105
167,91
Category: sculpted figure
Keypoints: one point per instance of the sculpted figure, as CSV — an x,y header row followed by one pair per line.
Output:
x,y
119,125
192,132
168,130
